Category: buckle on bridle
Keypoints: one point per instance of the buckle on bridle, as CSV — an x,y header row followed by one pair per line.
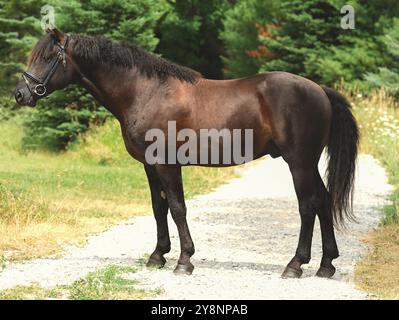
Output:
x,y
40,89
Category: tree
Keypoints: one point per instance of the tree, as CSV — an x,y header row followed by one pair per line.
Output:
x,y
190,35
132,21
19,32
305,29
240,35
388,76
309,41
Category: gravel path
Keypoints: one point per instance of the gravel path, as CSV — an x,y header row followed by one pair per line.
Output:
x,y
245,233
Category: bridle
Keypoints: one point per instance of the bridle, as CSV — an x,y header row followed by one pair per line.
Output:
x,y
40,88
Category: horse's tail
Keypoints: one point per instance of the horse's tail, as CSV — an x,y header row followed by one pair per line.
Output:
x,y
342,153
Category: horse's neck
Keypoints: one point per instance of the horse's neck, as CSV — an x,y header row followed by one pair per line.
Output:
x,y
117,89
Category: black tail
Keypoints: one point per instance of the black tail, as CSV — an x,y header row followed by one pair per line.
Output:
x,y
342,153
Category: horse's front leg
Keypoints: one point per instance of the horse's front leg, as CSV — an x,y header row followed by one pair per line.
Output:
x,y
171,180
160,208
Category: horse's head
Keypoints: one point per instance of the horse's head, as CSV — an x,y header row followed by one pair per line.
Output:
x,y
50,68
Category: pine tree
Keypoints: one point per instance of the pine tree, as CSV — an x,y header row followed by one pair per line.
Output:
x,y
132,21
388,76
309,40
240,35
20,30
304,28
190,35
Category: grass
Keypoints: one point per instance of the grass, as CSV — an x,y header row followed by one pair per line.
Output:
x,y
378,117
108,283
50,200
378,271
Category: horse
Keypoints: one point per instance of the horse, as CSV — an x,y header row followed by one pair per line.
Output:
x,y
290,116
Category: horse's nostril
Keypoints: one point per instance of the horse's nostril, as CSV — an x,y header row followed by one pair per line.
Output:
x,y
18,96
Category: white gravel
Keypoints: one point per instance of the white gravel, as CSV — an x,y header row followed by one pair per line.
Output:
x,y
245,233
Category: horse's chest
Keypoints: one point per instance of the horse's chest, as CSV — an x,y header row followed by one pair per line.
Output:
x,y
134,142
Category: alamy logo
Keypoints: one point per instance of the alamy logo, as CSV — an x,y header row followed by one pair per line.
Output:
x,y
210,146
348,20
48,17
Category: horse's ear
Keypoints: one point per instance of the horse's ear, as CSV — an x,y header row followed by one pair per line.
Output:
x,y
56,34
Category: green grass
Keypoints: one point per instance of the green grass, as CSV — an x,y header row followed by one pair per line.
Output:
x,y
107,283
378,272
378,118
49,200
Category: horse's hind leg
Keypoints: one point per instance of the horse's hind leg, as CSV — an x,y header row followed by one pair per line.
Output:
x,y
330,249
313,199
160,207
305,178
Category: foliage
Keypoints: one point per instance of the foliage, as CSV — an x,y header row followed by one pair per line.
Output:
x,y
60,119
20,29
134,21
309,41
240,35
190,35
388,77
7,107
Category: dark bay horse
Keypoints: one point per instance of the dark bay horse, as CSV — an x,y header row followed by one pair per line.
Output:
x,y
290,116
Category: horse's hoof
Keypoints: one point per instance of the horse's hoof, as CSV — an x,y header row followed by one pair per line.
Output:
x,y
156,262
325,272
291,273
184,269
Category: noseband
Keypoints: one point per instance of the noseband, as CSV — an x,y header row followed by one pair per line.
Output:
x,y
40,88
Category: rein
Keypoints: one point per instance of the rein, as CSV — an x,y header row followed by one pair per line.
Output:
x,y
40,88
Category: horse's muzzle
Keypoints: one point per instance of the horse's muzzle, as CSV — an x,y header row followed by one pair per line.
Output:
x,y
22,100
19,96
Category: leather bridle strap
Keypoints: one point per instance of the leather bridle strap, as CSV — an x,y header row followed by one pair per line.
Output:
x,y
40,88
